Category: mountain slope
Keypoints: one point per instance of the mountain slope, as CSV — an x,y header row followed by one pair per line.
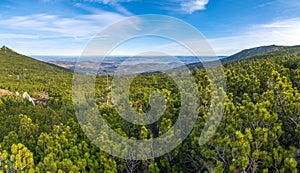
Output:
x,y
264,52
22,73
254,51
12,60
258,52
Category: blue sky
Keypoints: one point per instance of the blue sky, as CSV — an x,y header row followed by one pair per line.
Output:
x,y
64,27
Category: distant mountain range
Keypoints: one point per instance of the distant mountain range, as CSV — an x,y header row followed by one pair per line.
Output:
x,y
257,52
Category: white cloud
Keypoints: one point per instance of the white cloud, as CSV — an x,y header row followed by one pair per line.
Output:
x,y
81,26
51,34
184,6
115,4
280,32
14,36
191,6
108,1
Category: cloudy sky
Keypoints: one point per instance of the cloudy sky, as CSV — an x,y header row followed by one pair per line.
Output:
x,y
64,27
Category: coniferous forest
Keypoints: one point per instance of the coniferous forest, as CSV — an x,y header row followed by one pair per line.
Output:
x,y
259,131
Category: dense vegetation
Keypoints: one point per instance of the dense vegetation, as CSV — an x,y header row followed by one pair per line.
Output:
x,y
259,132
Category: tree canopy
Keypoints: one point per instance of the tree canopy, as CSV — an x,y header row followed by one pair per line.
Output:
x,y
259,131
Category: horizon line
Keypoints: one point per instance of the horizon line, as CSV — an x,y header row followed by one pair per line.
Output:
x,y
134,55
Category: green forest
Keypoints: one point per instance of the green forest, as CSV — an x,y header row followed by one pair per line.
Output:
x,y
259,131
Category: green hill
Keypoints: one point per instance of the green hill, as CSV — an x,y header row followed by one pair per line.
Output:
x,y
263,52
254,51
22,73
11,59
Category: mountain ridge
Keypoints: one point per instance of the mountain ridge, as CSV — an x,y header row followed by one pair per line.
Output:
x,y
255,51
7,54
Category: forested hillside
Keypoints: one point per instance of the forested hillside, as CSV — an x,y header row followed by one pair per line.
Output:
x,y
259,131
255,51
